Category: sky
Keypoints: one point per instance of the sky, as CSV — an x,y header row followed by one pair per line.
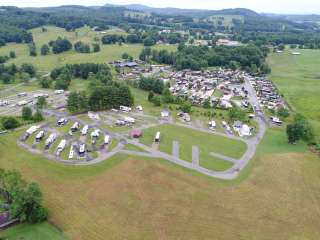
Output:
x,y
265,6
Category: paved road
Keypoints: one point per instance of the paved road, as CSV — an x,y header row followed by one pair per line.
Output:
x,y
175,149
195,155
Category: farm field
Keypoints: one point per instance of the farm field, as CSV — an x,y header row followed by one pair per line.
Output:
x,y
188,137
277,185
46,63
33,232
298,79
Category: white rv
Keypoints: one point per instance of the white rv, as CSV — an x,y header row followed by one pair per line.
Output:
x,y
82,150
106,139
125,109
50,140
60,91
39,136
84,130
129,120
32,130
61,146
157,137
75,127
71,153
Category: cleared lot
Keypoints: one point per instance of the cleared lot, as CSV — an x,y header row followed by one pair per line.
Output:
x,y
14,103
188,137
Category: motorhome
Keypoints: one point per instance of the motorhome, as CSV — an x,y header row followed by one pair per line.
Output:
x,y
50,140
125,109
276,121
32,130
60,91
4,103
62,121
75,127
129,120
84,130
106,139
157,137
39,136
82,150
61,146
212,125
22,103
23,94
71,153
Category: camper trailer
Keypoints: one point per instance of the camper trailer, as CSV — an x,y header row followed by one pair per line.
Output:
x,y
61,146
276,121
212,125
39,136
129,120
84,130
31,130
50,140
125,109
106,139
62,121
94,135
82,150
60,91
157,138
71,153
75,127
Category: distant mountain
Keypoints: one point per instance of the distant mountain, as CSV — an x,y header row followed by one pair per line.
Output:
x,y
296,17
187,12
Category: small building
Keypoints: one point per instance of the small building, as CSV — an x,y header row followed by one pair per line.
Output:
x,y
136,133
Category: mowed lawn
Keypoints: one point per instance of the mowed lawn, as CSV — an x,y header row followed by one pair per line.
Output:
x,y
46,63
188,137
32,232
277,197
298,79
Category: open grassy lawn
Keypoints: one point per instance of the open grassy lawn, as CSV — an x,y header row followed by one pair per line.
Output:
x,y
298,79
188,137
277,196
46,63
32,232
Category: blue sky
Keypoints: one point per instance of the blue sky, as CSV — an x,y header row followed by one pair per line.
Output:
x,y
271,6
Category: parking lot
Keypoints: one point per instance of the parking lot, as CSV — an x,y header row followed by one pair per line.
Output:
x,y
12,105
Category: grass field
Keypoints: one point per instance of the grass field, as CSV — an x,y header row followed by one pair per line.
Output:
x,y
298,79
46,63
276,197
32,232
188,137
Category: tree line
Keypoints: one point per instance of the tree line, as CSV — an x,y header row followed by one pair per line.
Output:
x,y
103,93
250,58
10,73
